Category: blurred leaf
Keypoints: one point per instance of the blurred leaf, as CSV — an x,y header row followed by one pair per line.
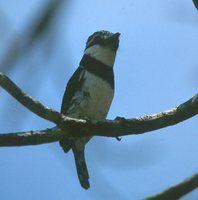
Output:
x,y
43,23
39,27
196,3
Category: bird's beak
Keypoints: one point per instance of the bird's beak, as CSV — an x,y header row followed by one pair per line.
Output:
x,y
115,36
113,41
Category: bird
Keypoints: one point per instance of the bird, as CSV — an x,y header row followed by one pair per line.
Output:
x,y
89,93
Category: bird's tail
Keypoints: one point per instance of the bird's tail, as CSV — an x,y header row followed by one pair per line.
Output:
x,y
78,148
81,167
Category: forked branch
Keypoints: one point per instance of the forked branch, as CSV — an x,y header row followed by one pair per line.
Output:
x,y
82,127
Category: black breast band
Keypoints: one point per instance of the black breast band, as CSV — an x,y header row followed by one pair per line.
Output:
x,y
98,68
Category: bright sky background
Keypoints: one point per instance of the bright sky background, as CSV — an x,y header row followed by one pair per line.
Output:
x,y
156,69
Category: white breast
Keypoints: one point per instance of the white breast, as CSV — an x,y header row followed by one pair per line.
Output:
x,y
102,53
94,99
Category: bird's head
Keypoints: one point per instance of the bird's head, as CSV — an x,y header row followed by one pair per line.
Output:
x,y
104,38
102,45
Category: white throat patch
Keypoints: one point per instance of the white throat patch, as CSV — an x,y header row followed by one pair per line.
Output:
x,y
102,54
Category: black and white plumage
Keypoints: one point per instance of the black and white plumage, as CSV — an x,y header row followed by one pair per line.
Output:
x,y
89,92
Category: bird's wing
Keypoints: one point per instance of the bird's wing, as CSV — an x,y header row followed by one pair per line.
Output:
x,y
74,84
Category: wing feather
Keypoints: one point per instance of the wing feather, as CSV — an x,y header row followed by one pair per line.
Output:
x,y
74,84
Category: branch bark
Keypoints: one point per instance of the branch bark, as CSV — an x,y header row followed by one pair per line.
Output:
x,y
178,190
82,127
31,137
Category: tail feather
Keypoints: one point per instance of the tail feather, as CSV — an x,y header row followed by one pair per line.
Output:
x,y
81,167
78,149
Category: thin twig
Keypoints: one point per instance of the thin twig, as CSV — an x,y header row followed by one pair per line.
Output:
x,y
179,190
37,28
195,3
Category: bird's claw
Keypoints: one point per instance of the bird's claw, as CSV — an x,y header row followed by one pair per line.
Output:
x,y
118,138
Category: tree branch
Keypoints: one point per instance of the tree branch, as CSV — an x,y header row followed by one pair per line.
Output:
x,y
178,190
82,127
31,137
27,101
